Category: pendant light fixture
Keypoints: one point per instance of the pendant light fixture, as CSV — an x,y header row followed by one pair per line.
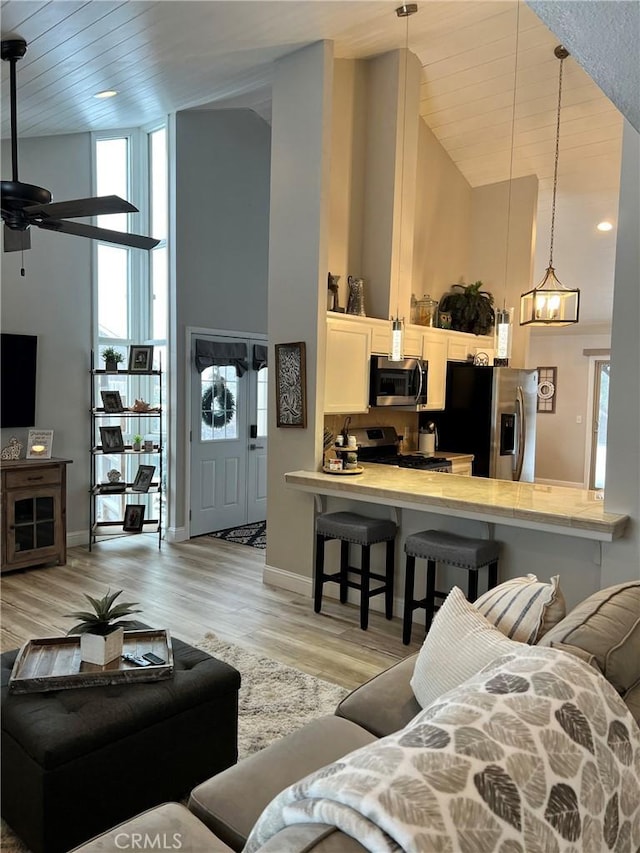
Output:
x,y
551,303
396,343
503,329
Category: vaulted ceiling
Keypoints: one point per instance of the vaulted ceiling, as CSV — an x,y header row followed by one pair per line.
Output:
x,y
168,55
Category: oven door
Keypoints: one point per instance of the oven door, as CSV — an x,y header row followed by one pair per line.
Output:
x,y
401,384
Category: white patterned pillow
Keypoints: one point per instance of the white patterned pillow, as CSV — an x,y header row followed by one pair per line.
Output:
x,y
524,609
459,644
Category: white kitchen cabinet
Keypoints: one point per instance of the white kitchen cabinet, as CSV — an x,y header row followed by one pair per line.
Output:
x,y
434,351
462,345
346,389
381,339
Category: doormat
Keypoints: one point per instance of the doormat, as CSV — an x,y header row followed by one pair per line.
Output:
x,y
254,535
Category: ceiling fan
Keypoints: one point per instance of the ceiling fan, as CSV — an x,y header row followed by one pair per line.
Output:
x,y
24,205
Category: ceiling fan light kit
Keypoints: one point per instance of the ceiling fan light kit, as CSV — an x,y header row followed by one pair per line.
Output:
x,y
551,303
24,205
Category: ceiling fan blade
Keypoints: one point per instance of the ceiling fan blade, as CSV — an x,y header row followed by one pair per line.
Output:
x,y
79,229
98,206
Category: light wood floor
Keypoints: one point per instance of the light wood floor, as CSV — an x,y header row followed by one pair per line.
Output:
x,y
204,585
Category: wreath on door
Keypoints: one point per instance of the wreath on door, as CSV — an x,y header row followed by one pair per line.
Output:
x,y
218,405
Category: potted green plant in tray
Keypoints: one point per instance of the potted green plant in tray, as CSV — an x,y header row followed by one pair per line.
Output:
x,y
102,631
112,359
471,308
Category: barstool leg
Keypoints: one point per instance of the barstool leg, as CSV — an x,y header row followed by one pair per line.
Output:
x,y
472,586
390,576
344,570
410,571
493,574
319,578
431,597
364,587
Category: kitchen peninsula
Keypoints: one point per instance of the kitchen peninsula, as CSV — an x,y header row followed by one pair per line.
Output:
x,y
555,509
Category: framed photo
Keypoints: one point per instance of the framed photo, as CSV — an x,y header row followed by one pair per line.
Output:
x,y
133,518
112,401
140,359
39,444
143,479
111,439
291,395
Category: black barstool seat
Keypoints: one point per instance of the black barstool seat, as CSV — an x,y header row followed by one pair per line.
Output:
x,y
354,529
440,546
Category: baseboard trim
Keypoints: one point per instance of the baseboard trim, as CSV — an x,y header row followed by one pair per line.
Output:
x,y
78,537
176,534
304,586
287,580
542,482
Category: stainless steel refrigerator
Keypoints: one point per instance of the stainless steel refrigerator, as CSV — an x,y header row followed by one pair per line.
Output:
x,y
490,412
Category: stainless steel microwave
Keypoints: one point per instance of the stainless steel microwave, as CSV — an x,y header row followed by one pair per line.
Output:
x,y
401,384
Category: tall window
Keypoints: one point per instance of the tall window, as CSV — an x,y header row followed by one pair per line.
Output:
x,y
131,304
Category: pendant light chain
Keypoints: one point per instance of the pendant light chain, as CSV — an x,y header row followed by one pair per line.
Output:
x,y
513,132
561,53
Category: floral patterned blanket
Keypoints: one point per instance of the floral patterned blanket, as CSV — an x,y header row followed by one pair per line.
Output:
x,y
535,754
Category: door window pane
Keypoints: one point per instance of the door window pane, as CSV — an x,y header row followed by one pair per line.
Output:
x,y
218,401
263,378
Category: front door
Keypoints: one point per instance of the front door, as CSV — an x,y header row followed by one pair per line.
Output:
x,y
228,444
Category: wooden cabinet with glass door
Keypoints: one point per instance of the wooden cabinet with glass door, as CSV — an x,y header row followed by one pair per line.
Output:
x,y
126,447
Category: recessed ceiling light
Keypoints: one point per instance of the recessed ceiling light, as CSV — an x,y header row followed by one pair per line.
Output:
x,y
108,93
604,226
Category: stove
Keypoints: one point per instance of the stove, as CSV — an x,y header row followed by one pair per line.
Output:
x,y
380,445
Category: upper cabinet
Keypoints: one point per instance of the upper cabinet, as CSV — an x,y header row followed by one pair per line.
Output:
x,y
346,389
434,351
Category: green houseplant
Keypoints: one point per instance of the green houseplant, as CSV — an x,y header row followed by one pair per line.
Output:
x,y
112,359
137,441
102,629
471,308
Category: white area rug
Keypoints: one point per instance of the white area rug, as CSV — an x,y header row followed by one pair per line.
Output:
x,y
274,700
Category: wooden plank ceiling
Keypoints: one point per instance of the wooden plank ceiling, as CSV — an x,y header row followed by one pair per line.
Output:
x,y
175,54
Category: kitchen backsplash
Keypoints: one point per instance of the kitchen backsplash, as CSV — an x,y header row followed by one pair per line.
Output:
x,y
405,423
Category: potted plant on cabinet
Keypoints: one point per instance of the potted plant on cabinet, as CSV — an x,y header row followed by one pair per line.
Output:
x,y
471,308
112,359
102,631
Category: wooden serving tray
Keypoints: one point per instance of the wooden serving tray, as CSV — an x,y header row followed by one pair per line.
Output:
x,y
54,663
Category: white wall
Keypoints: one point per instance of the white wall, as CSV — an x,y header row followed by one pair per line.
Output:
x,y
560,439
442,237
298,260
505,268
53,301
622,494
221,248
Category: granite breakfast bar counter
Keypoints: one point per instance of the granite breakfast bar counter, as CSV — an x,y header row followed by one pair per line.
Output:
x,y
556,509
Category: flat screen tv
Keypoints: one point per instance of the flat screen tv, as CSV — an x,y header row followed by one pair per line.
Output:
x,y
18,357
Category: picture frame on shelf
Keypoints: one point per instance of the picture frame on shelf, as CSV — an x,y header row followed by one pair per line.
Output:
x,y
291,400
39,444
140,359
133,518
112,401
111,439
143,479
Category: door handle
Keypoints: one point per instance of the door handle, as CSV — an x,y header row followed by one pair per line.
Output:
x,y
256,447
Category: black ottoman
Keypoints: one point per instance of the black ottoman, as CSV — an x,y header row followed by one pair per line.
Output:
x,y
77,762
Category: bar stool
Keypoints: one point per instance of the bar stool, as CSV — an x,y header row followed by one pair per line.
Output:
x,y
351,528
440,546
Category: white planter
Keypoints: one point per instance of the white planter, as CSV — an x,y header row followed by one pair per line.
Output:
x,y
101,649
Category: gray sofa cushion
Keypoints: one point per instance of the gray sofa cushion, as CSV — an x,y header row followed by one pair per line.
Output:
x,y
385,703
231,802
171,824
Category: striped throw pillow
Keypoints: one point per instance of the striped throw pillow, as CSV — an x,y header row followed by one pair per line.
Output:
x,y
524,608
